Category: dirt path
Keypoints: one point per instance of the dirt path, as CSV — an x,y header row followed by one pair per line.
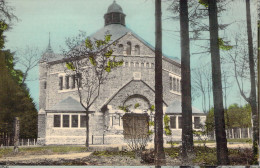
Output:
x,y
83,157
55,157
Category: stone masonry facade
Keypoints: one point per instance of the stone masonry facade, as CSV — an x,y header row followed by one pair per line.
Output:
x,y
131,83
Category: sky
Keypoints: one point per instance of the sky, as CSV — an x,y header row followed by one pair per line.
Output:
x,y
65,18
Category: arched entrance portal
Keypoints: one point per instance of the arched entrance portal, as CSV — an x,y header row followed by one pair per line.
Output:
x,y
138,103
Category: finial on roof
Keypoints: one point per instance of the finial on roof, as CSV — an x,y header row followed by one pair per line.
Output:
x,y
49,49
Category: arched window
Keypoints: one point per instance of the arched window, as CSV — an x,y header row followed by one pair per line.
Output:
x,y
170,83
137,50
174,84
142,64
178,85
129,48
120,49
45,85
147,65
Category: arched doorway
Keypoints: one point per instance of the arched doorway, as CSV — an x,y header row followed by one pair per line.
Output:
x,y
137,103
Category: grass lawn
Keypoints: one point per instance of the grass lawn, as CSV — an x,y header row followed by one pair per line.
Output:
x,y
204,156
42,150
245,140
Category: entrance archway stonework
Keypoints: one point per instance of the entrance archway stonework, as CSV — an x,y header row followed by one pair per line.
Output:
x,y
134,89
143,102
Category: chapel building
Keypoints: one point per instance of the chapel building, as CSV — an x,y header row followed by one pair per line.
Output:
x,y
61,118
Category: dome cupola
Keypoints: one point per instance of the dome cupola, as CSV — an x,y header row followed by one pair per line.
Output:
x,y
114,15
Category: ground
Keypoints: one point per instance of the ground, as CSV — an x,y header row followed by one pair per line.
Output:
x,y
239,154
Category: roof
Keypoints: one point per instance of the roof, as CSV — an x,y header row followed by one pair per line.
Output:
x,y
117,31
114,7
175,107
124,86
68,104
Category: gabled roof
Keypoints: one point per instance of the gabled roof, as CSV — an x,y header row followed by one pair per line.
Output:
x,y
175,107
124,86
117,31
68,104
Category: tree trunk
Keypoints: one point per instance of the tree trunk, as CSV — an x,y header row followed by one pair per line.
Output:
x,y
258,74
252,98
158,138
221,140
187,135
87,128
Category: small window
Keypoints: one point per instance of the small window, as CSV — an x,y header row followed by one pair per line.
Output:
x,y
56,122
45,85
66,121
120,49
73,78
132,64
152,65
82,121
180,122
75,119
170,83
61,82
129,48
178,85
197,122
137,50
116,17
142,64
147,65
67,84
173,122
174,84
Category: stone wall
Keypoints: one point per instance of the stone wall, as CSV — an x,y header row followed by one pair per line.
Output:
x,y
142,64
137,75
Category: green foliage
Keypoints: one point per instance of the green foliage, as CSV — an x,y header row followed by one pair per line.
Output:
x,y
173,152
198,133
125,108
15,100
47,150
92,60
223,45
152,108
167,129
151,123
3,27
109,53
130,154
204,3
137,105
150,132
108,38
113,64
88,44
235,116
70,66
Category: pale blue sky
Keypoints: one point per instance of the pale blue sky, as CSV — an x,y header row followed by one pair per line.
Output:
x,y
64,18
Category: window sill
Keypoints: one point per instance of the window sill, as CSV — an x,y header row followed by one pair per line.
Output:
x,y
68,90
69,127
178,93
